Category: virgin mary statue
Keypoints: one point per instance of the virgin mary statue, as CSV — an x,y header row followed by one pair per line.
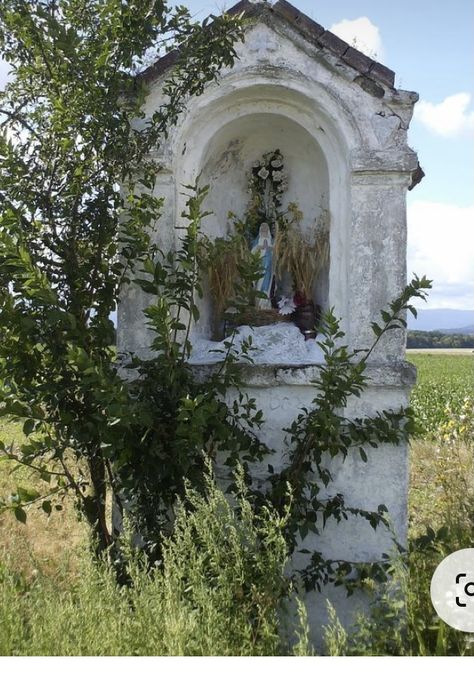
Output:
x,y
263,244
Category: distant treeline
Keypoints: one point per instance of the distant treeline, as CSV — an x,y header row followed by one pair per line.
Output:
x,y
437,339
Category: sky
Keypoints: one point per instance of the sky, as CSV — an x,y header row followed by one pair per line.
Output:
x,y
430,46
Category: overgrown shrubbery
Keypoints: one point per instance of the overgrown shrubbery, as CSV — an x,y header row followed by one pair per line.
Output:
x,y
220,591
156,430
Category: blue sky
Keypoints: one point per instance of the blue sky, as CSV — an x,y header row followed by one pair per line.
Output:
x,y
430,46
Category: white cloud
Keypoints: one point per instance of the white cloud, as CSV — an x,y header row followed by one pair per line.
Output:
x,y
448,118
362,34
441,246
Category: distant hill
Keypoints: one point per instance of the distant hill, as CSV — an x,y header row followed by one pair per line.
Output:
x,y
447,321
464,330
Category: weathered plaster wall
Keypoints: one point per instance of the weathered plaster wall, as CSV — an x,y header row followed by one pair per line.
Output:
x,y
345,141
281,394
356,156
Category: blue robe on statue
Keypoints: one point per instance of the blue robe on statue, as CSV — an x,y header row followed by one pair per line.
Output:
x,y
264,245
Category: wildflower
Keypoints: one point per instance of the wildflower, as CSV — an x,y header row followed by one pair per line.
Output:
x,y
263,173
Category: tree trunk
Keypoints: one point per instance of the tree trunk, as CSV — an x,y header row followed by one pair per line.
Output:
x,y
94,505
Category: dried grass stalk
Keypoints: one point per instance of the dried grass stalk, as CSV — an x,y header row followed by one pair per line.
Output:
x,y
303,259
223,260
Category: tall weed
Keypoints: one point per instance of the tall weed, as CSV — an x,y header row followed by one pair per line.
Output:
x,y
401,620
221,590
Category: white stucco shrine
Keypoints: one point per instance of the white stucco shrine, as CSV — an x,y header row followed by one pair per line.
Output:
x,y
341,126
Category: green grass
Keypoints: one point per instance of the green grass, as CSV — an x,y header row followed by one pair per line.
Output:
x,y
441,506
10,431
46,547
441,458
402,620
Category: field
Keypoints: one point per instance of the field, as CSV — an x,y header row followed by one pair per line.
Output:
x,y
441,350
441,486
442,398
47,553
441,464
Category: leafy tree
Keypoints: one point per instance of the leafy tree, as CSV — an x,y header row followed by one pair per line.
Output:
x,y
76,206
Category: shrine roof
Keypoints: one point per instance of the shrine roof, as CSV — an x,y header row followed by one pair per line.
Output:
x,y
373,72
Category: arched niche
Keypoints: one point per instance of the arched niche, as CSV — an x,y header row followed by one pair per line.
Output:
x,y
227,164
238,144
221,139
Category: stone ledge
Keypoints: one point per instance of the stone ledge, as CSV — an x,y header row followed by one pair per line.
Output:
x,y
363,160
399,374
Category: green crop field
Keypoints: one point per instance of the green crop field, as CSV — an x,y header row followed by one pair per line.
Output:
x,y
444,395
442,450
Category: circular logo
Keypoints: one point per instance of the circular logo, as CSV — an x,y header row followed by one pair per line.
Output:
x,y
452,590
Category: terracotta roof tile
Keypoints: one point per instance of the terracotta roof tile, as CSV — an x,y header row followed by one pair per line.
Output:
x,y
297,18
332,42
357,60
382,73
248,8
416,177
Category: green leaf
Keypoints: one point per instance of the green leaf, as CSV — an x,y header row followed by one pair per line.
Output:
x,y
376,329
27,494
46,507
20,514
28,427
